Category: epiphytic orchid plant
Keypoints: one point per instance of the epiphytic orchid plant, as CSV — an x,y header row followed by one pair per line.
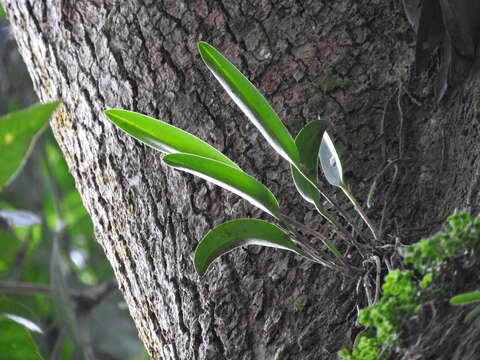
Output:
x,y
186,152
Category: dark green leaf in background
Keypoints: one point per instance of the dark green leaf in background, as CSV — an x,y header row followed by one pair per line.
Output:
x,y
18,132
241,232
229,178
16,343
250,101
18,313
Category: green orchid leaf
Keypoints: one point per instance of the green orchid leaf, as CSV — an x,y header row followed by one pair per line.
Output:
x,y
251,102
241,232
164,137
466,298
308,143
472,315
227,177
331,165
18,132
26,323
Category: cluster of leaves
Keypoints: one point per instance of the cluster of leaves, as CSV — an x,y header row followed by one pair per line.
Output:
x,y
312,145
403,291
50,263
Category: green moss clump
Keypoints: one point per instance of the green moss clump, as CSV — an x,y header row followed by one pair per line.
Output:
x,y
402,292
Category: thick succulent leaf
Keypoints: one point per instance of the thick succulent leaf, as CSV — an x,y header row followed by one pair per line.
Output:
x,y
430,32
331,165
241,232
472,315
308,143
162,136
18,132
251,102
466,298
227,177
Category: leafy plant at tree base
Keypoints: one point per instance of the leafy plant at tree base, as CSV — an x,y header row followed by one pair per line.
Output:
x,y
403,294
313,144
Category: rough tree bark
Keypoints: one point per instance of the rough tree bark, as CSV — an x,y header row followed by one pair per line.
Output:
x,y
348,61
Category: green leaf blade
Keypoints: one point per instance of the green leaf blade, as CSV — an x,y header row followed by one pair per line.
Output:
x,y
308,142
162,136
232,179
18,133
471,316
237,233
467,298
330,161
251,102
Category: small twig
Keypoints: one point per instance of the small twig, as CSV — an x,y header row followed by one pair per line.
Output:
x,y
376,259
366,286
90,297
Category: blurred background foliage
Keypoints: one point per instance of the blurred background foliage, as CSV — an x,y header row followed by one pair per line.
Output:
x,y
58,296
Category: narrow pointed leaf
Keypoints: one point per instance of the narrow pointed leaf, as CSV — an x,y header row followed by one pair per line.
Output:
x,y
466,298
472,315
308,143
162,136
18,132
250,101
227,177
331,165
241,232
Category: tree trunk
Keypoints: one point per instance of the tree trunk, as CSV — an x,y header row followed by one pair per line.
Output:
x,y
346,61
